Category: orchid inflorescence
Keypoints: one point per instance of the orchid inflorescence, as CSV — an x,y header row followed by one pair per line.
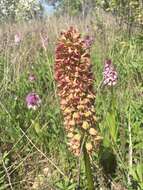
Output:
x,y
32,77
109,74
74,77
17,38
88,41
33,100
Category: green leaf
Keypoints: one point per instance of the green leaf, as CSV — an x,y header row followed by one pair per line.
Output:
x,y
37,128
112,125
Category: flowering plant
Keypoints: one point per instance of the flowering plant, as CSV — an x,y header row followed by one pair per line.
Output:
x,y
74,77
109,74
33,101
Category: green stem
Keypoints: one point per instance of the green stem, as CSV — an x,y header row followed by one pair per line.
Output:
x,y
88,169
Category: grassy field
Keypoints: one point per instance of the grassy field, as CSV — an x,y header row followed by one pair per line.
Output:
x,y
33,148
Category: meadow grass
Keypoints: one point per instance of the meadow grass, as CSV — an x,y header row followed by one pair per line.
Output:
x,y
33,150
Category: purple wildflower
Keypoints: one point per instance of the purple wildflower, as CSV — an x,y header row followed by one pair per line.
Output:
x,y
88,41
32,78
109,73
33,101
17,38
